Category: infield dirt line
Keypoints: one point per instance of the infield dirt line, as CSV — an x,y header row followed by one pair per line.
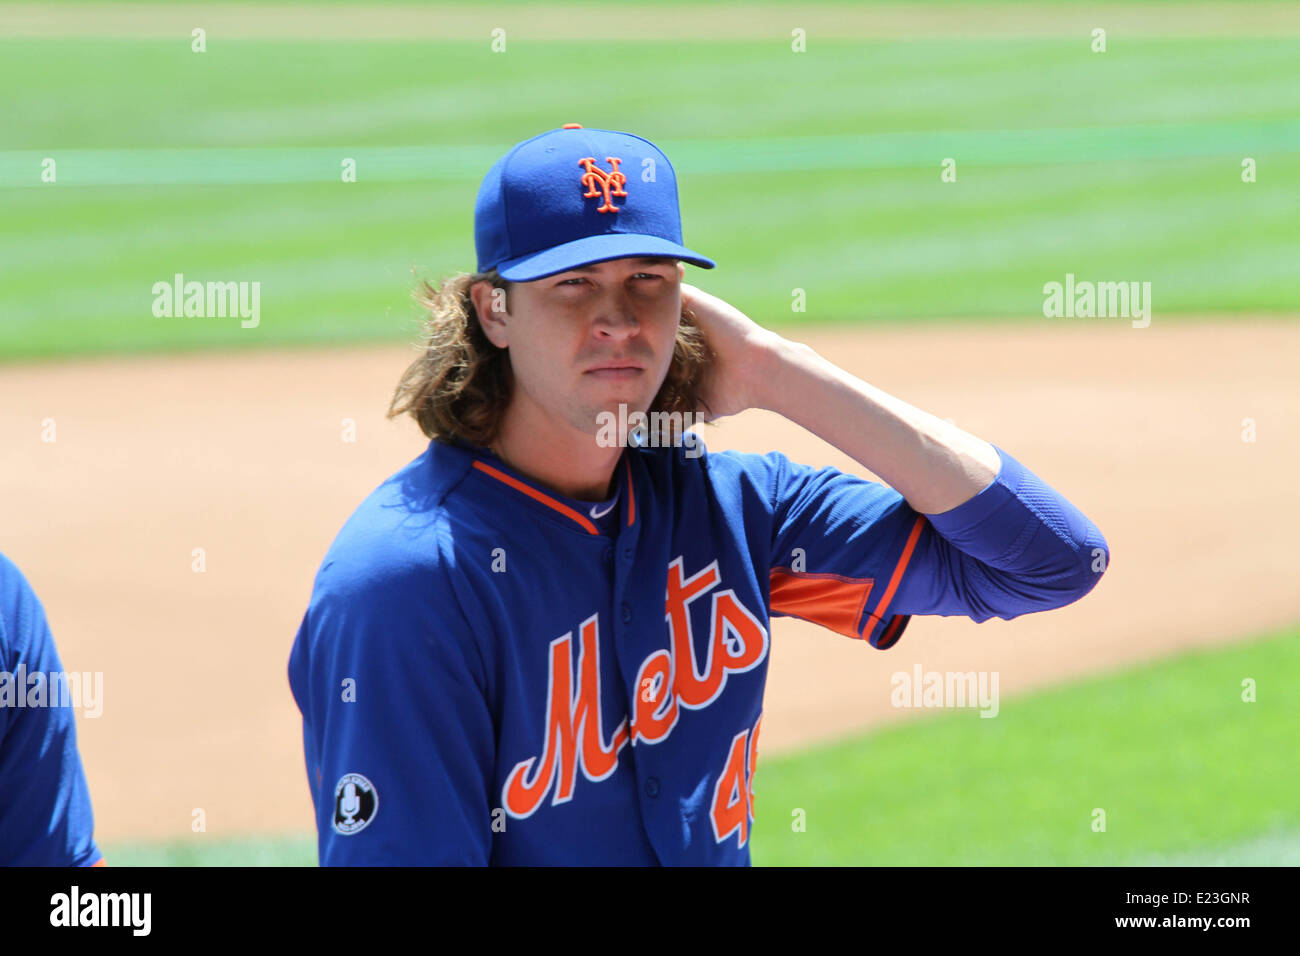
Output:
x,y
588,22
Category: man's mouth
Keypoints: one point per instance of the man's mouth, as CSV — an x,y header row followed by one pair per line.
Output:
x,y
616,374
615,370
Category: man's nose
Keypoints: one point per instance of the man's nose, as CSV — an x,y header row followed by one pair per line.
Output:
x,y
617,317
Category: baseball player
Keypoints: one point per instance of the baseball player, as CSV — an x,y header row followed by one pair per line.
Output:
x,y
45,812
545,640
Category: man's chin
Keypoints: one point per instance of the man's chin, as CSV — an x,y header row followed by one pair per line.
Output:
x,y
612,422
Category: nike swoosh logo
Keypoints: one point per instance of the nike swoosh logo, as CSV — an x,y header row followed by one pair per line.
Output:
x,y
602,514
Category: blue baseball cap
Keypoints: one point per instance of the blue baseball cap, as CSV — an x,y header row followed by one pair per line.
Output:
x,y
572,196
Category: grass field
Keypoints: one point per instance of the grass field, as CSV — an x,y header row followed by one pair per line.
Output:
x,y
1181,765
818,171
1187,772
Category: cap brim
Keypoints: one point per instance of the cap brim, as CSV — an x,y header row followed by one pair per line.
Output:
x,y
591,249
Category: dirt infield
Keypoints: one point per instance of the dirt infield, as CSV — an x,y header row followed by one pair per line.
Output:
x,y
715,22
244,457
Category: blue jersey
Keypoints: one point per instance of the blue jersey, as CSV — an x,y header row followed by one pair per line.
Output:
x,y
45,814
489,676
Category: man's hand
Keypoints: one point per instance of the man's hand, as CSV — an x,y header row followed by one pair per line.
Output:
x,y
933,463
744,354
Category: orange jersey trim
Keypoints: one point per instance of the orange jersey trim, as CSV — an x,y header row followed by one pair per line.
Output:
x,y
882,608
891,633
831,600
837,602
538,496
631,498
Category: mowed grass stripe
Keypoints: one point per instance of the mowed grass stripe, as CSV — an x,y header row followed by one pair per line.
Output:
x,y
977,148
720,22
205,849
1281,848
242,94
335,261
1278,849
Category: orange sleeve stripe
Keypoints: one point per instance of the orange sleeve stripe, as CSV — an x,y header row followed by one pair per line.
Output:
x,y
538,496
631,497
883,607
100,862
830,600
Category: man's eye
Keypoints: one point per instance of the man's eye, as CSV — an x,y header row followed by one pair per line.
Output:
x,y
578,279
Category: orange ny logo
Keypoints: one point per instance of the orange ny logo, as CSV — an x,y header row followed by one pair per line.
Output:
x,y
599,182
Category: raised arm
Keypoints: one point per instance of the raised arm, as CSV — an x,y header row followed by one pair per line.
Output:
x,y
934,464
977,532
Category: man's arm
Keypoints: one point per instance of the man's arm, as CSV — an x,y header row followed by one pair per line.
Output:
x,y
934,465
978,534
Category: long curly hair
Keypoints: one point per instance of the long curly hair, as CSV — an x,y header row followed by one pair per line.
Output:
x,y
460,385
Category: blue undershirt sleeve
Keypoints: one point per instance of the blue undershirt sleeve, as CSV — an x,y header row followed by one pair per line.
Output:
x,y
1016,547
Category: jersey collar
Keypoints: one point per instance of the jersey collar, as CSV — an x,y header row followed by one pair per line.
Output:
x,y
514,482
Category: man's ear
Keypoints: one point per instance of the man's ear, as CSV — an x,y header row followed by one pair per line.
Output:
x,y
681,269
490,306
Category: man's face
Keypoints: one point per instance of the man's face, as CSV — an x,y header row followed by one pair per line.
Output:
x,y
562,332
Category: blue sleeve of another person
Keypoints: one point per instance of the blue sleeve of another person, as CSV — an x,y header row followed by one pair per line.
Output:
x,y
45,812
